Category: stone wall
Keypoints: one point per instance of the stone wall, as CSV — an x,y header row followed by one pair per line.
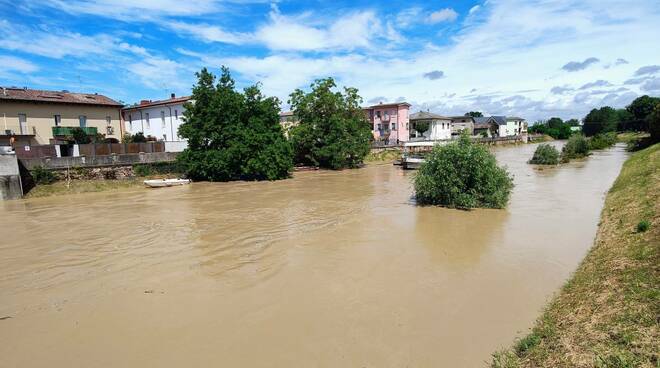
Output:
x,y
10,178
57,163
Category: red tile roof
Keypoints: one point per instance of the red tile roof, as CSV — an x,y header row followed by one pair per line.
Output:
x,y
149,103
63,97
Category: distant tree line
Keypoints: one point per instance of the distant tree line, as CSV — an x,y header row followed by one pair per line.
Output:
x,y
638,116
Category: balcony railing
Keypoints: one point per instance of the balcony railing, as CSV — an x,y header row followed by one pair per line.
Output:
x,y
61,131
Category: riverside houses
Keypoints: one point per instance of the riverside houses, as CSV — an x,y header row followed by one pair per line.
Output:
x,y
37,117
157,119
390,122
439,127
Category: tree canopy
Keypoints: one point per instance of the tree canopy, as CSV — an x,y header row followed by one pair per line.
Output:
x,y
333,130
474,114
601,120
462,175
554,127
233,135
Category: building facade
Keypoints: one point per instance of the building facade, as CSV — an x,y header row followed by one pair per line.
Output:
x,y
159,120
35,117
460,124
438,127
390,123
515,126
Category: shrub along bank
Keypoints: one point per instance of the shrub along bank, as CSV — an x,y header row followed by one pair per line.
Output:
x,y
462,175
607,313
545,154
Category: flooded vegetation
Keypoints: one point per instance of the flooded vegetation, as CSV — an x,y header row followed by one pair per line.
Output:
x,y
326,269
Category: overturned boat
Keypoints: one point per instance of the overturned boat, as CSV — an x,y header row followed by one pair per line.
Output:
x,y
160,183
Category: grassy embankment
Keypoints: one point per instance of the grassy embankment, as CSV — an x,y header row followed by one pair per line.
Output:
x,y
608,313
82,184
387,155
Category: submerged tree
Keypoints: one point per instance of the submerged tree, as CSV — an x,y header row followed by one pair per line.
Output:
x,y
333,131
233,135
545,154
462,175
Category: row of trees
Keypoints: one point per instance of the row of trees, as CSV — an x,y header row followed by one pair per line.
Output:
x,y
639,115
236,135
554,127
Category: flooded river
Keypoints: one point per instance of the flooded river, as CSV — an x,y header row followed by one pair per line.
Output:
x,y
329,269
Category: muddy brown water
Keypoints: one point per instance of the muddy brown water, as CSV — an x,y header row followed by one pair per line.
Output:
x,y
329,269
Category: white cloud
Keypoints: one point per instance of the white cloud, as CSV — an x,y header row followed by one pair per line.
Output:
x,y
443,15
513,47
209,33
132,10
160,73
474,9
14,64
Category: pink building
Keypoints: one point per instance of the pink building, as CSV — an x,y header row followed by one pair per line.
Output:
x,y
389,122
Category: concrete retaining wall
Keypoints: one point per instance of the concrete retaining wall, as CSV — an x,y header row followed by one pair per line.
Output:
x,y
98,161
10,178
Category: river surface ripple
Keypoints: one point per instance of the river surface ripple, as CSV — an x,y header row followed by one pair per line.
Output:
x,y
327,269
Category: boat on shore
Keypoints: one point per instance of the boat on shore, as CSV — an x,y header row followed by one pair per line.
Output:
x,y
161,183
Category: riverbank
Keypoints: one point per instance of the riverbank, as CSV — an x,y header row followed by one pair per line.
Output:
x,y
606,314
83,186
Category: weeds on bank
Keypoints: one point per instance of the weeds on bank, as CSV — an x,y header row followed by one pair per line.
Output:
x,y
606,315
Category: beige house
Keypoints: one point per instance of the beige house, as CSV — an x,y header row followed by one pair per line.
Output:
x,y
41,117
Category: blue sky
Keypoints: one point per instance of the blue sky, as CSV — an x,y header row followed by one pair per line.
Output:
x,y
530,58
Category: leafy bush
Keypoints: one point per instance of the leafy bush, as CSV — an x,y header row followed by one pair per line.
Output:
x,y
576,147
43,176
462,175
135,138
554,127
602,141
156,168
233,135
643,226
333,131
545,154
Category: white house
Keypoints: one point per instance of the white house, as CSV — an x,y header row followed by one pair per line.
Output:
x,y
515,126
158,119
439,127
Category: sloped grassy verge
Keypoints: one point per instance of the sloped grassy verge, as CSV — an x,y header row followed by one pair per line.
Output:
x,y
608,313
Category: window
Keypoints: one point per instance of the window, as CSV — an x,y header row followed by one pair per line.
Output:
x,y
146,115
130,122
82,119
379,127
162,118
108,120
22,123
407,126
393,126
378,114
176,114
164,137
58,119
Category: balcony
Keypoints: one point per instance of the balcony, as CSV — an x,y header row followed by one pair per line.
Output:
x,y
61,131
17,131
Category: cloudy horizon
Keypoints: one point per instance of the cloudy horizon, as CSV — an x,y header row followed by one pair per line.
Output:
x,y
534,59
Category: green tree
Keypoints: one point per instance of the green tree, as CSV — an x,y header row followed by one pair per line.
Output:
x,y
640,110
555,123
545,154
572,122
654,123
576,147
601,120
333,130
233,135
474,114
462,175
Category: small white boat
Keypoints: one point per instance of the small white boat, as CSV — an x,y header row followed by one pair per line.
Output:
x,y
159,183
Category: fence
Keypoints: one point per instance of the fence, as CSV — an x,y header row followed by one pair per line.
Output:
x,y
88,150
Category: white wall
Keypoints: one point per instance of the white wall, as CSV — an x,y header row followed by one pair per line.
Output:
x,y
163,129
440,129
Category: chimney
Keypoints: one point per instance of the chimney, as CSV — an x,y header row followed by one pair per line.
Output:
x,y
172,95
145,102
